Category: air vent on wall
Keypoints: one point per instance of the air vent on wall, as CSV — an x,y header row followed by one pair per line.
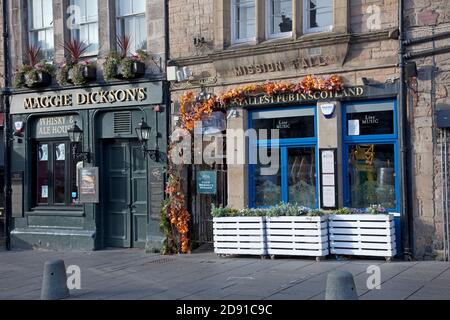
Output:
x,y
122,122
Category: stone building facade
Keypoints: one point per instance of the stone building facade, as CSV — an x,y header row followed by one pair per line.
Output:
x,y
48,208
361,45
428,95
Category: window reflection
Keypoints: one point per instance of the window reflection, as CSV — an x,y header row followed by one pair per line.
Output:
x,y
267,187
302,176
372,175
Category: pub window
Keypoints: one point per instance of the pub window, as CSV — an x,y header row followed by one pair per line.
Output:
x,y
243,21
41,26
371,152
131,22
370,119
371,175
288,171
294,123
86,24
55,174
318,15
279,18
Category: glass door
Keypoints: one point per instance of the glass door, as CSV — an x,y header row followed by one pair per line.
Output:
x,y
294,180
301,176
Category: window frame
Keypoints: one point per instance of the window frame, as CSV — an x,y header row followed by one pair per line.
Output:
x,y
309,30
376,139
234,39
48,54
268,17
86,22
121,18
70,169
283,145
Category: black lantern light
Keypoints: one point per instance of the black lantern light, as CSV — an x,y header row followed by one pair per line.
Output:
x,y
143,132
76,137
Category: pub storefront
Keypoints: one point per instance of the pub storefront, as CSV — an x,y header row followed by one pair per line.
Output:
x,y
357,128
88,167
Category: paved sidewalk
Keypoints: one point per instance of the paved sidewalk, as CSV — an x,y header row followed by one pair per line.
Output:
x,y
132,274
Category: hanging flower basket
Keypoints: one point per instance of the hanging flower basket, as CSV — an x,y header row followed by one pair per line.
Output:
x,y
37,79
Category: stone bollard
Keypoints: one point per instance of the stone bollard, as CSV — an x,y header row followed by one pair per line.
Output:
x,y
341,286
54,282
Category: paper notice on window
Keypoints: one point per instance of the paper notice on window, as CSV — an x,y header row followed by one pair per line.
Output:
x,y
44,192
328,162
43,152
61,152
353,128
329,197
328,179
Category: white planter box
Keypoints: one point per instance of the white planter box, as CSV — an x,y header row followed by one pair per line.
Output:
x,y
363,235
298,236
239,235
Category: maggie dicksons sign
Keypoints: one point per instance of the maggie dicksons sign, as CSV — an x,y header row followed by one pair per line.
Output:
x,y
302,97
85,99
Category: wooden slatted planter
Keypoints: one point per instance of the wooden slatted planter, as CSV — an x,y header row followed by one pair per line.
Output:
x,y
363,235
239,235
297,236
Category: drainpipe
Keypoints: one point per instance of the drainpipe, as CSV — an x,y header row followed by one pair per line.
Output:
x,y
7,125
405,171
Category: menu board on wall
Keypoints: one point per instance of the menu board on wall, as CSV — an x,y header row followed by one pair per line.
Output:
x,y
328,179
88,185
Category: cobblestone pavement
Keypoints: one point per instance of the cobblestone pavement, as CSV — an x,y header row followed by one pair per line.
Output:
x,y
133,274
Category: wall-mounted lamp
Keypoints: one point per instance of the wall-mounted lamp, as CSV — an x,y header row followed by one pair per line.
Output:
x,y
76,138
143,132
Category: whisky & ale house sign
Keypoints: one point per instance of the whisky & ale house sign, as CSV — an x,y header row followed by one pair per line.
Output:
x,y
69,100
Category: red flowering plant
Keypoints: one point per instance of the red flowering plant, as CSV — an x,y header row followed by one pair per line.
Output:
x,y
35,72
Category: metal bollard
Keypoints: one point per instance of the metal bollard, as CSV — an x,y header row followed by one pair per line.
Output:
x,y
54,282
341,286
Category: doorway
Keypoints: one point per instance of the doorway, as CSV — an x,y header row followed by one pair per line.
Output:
x,y
124,200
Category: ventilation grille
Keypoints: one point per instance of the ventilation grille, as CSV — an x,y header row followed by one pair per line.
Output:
x,y
122,122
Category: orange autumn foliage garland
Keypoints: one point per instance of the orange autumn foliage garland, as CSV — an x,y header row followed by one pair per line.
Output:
x,y
192,111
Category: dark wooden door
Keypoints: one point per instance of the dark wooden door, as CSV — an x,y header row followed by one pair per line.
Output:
x,y
125,189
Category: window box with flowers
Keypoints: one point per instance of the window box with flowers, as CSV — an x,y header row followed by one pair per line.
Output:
x,y
284,229
120,65
36,73
369,232
74,70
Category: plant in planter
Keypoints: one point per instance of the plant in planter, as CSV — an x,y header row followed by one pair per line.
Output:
x,y
119,65
35,73
73,70
368,232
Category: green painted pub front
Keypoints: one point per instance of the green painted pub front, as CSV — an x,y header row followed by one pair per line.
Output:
x,y
48,208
